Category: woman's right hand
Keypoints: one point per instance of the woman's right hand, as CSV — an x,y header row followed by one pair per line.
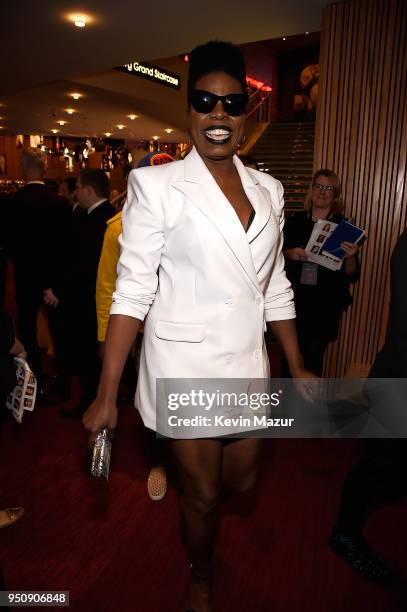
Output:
x,y
100,414
121,334
296,254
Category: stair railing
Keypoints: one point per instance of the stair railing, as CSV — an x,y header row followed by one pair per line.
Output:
x,y
258,118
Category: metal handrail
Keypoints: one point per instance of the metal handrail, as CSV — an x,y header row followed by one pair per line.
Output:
x,y
257,118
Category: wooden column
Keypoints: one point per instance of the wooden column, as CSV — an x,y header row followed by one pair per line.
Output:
x,y
361,134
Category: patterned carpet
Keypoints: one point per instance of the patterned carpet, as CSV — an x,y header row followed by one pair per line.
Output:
x,y
115,550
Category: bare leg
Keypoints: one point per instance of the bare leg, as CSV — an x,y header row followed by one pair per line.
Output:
x,y
202,465
200,469
240,463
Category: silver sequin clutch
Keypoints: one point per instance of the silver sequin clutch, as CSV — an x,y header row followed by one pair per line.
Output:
x,y
102,448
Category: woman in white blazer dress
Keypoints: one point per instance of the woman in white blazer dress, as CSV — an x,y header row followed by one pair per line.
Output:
x,y
201,254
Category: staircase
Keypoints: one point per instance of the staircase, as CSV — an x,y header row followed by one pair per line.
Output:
x,y
285,150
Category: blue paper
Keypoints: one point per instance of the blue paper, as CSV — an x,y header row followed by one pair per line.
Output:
x,y
344,232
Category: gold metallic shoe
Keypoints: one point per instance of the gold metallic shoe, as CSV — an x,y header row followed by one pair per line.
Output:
x,y
13,514
157,483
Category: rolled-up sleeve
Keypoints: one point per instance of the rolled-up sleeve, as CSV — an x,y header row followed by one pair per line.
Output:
x,y
279,298
141,242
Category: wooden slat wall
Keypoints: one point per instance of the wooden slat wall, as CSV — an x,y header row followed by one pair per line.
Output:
x,y
361,134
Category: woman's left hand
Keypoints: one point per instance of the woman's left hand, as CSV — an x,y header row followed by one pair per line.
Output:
x,y
350,249
307,384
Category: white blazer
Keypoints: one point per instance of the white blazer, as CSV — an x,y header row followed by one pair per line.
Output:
x,y
207,286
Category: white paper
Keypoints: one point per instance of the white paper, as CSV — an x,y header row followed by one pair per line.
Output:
x,y
322,230
24,393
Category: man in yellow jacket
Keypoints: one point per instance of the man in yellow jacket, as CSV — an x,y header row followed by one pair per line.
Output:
x,y
107,273
105,286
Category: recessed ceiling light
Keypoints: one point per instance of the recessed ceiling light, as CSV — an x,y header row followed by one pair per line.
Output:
x,y
108,134
169,130
156,137
70,111
76,95
120,126
61,122
283,37
80,21
132,117
307,33
1,127
55,131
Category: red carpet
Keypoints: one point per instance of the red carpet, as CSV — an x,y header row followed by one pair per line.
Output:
x,y
115,550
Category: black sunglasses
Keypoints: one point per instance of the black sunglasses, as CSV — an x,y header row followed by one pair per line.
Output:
x,y
235,104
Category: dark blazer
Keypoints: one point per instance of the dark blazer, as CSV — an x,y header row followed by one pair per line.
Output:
x,y
35,234
3,256
88,233
7,369
391,362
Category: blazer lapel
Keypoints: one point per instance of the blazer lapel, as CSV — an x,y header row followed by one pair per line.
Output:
x,y
203,191
259,198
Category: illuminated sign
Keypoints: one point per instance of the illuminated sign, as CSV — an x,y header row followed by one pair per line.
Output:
x,y
258,84
153,73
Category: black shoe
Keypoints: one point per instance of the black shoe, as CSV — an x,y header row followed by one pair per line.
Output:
x,y
356,552
72,413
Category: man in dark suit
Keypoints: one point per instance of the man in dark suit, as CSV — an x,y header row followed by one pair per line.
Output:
x,y
88,233
35,233
380,475
3,256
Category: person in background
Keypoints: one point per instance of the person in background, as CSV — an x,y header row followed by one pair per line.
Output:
x,y
67,189
3,255
87,241
155,158
58,317
10,347
105,286
138,153
321,295
35,229
379,475
52,185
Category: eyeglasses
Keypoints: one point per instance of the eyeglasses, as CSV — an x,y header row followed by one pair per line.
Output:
x,y
204,102
320,187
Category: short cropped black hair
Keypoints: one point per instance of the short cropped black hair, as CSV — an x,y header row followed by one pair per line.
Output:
x,y
97,179
216,56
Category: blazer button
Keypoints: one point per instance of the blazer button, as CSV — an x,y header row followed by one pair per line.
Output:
x,y
259,300
229,358
257,353
231,302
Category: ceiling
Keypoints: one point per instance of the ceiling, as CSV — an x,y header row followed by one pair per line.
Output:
x,y
48,57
